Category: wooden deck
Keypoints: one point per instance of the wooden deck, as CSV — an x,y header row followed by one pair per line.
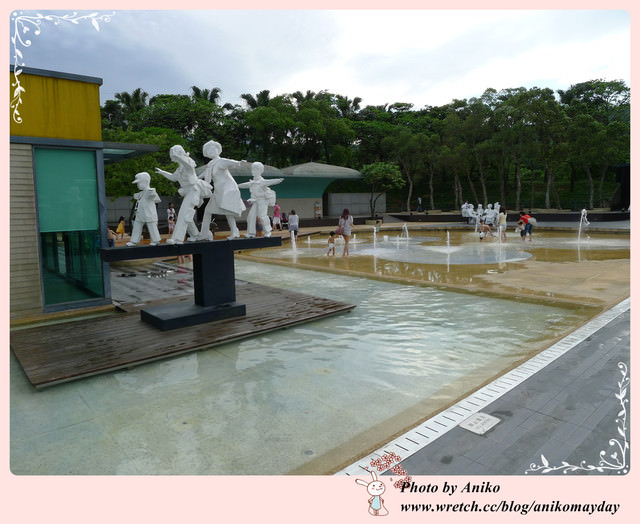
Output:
x,y
68,351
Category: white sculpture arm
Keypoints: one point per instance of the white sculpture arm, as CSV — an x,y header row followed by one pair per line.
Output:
x,y
272,181
166,174
227,162
154,195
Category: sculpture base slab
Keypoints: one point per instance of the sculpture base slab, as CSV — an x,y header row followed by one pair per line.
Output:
x,y
174,316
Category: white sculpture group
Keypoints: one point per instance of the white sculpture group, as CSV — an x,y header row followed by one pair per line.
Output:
x,y
489,215
215,183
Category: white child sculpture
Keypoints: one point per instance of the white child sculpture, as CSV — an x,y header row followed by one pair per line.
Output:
x,y
466,213
262,196
489,215
146,213
226,199
193,192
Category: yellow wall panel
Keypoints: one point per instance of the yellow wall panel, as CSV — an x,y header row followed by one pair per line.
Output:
x,y
57,108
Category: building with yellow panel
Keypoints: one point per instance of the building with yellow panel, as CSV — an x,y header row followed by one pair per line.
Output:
x,y
57,106
57,197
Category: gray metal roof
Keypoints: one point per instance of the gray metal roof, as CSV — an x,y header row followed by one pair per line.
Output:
x,y
56,74
317,170
308,170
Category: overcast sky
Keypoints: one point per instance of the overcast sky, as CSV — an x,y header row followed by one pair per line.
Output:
x,y
423,57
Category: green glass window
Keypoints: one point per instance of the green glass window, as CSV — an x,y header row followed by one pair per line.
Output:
x,y
68,219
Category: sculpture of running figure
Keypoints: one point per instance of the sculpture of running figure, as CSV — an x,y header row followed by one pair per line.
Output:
x,y
262,196
192,190
226,199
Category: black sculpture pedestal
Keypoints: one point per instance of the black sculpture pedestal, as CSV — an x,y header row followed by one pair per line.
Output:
x,y
172,316
213,279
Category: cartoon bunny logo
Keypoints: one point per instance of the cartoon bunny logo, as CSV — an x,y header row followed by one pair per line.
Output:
x,y
375,488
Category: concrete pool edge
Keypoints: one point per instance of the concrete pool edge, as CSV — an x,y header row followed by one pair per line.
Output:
x,y
430,430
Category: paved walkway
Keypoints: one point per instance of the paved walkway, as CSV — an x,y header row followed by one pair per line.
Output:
x,y
566,413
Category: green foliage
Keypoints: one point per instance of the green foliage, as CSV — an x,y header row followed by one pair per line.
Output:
x,y
381,177
119,176
518,146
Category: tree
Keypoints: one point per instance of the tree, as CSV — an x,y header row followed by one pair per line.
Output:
x,y
585,134
348,108
119,176
133,101
195,120
492,148
604,107
409,150
515,129
320,132
371,127
113,116
210,95
260,100
116,114
617,152
603,100
550,126
381,177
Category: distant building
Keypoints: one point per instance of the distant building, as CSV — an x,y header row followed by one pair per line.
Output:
x,y
304,185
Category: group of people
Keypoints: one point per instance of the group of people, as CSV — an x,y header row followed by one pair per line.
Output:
x,y
215,183
345,223
524,226
281,220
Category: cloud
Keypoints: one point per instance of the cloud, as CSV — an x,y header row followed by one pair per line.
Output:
x,y
424,57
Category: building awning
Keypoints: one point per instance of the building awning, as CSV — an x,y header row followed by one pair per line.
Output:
x,y
118,151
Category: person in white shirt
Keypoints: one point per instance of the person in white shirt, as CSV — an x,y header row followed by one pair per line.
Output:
x,y
294,222
344,228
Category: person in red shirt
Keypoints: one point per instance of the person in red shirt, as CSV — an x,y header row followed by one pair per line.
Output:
x,y
528,226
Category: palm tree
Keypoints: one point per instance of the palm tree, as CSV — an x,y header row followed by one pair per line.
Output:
x,y
132,102
300,98
212,95
260,100
129,103
348,107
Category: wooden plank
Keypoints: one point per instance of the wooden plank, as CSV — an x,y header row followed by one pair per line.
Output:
x,y
72,350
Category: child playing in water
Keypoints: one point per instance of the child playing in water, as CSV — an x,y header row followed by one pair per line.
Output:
x,y
332,244
485,230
